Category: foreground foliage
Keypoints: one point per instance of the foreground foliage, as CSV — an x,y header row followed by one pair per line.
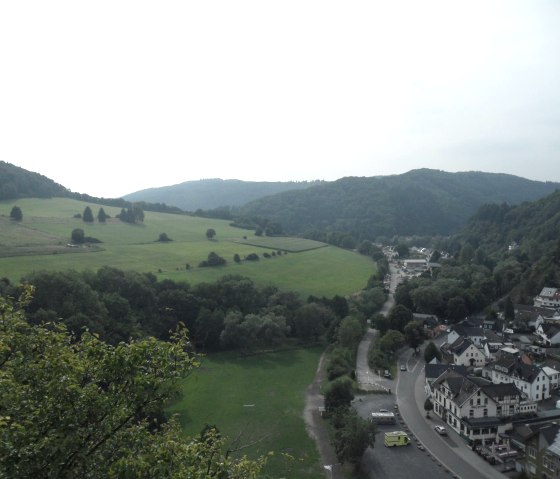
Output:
x,y
83,408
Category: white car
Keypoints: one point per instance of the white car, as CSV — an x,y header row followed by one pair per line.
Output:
x,y
440,430
403,367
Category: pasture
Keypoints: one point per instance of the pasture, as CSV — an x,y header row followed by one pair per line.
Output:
x,y
39,242
256,400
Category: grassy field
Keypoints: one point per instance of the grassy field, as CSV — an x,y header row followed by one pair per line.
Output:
x,y
259,400
294,245
40,241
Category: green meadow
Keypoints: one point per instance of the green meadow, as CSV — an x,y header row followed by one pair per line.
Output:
x,y
256,401
40,242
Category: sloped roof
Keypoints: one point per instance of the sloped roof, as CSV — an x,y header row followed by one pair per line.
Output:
x,y
461,387
468,331
500,390
550,293
460,345
434,371
550,329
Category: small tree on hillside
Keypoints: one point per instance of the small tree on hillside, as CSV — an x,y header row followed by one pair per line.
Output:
x,y
87,215
210,233
101,216
16,213
78,236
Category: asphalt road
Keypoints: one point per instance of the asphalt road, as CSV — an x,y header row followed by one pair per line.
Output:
x,y
451,451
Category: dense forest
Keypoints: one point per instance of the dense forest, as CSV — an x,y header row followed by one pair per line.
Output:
x,y
504,252
16,183
420,202
232,313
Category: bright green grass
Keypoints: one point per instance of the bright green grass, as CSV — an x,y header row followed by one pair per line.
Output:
x,y
256,399
47,224
293,245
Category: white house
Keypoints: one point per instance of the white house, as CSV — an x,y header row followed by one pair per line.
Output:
x,y
553,376
476,335
477,411
531,380
549,333
548,298
463,352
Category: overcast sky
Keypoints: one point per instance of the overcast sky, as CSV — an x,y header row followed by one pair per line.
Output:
x,y
110,97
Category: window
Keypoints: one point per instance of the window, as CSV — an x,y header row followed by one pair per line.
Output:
x,y
485,401
485,412
471,412
531,452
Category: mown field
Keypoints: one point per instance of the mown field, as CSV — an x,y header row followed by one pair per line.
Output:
x,y
40,241
256,400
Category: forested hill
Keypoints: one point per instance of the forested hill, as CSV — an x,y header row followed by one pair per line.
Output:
x,y
421,202
213,193
523,242
15,182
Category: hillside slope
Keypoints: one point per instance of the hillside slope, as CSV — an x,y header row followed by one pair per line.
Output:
x,y
213,193
16,182
420,202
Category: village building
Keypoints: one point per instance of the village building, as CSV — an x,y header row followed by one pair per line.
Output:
x,y
477,410
532,381
548,298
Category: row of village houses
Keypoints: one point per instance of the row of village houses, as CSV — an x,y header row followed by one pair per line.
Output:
x,y
488,388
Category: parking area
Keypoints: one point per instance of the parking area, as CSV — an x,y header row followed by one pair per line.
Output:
x,y
395,462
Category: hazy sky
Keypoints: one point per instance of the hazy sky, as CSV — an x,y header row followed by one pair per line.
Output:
x,y
110,97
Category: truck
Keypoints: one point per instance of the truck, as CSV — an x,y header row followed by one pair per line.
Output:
x,y
384,417
396,438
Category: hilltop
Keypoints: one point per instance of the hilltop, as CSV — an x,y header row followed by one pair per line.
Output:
x,y
214,193
420,202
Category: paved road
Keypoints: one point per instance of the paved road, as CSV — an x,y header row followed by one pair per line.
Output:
x,y
451,451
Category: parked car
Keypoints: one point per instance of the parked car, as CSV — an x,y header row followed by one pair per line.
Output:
x,y
440,430
387,374
403,367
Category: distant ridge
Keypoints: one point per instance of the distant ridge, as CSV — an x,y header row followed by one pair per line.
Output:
x,y
214,193
420,202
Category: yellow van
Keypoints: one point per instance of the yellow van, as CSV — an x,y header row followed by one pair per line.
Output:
x,y
396,438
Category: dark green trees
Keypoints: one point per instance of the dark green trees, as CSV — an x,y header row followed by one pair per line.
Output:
x,y
210,233
87,216
81,408
213,260
77,236
16,213
431,352
101,216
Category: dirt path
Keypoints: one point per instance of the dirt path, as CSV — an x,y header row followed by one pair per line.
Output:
x,y
315,425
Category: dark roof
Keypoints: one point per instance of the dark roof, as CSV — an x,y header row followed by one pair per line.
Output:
x,y
527,313
550,329
501,390
434,371
460,386
460,345
516,367
467,331
489,421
